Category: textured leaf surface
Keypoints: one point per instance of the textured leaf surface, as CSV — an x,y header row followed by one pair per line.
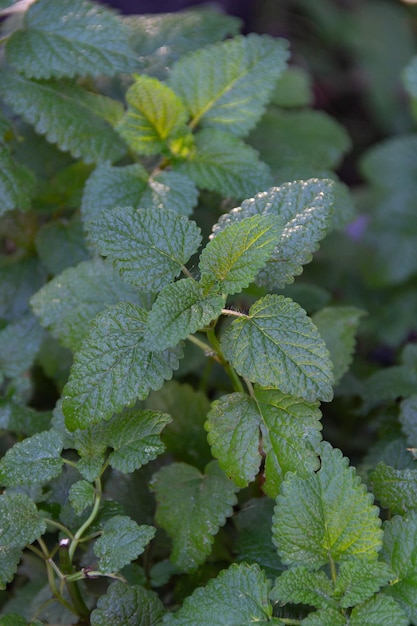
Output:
x,y
329,514
66,114
227,85
400,553
395,488
305,209
378,610
69,38
135,439
170,190
60,244
113,369
121,542
68,303
155,115
21,524
192,520
223,163
239,595
299,585
358,580
148,247
337,326
22,419
325,617
130,605
19,345
36,459
236,255
180,309
16,184
289,427
81,496
278,345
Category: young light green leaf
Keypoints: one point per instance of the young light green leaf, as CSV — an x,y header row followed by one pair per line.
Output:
x,y
81,496
408,419
19,345
135,439
170,190
113,369
130,605
277,345
21,524
185,436
121,542
17,184
239,595
67,305
289,427
70,38
358,580
305,209
226,85
154,117
328,515
193,519
236,255
36,459
148,247
180,309
378,610
399,551
337,326
65,114
395,489
224,163
299,585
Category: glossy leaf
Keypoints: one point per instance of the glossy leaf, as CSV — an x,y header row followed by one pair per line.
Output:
x,y
299,585
121,542
378,610
170,190
130,605
81,496
36,459
395,488
358,580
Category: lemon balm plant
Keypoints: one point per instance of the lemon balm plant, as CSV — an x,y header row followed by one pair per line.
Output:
x,y
162,453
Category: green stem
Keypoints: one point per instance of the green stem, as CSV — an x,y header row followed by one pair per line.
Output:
x,y
290,622
51,578
214,342
333,569
72,585
59,526
88,521
232,313
201,344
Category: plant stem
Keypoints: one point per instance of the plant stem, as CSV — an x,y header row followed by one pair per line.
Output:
x,y
232,313
88,521
72,585
204,346
333,569
51,577
214,342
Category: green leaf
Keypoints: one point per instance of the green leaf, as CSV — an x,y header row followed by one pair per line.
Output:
x,y
160,40
121,542
304,208
378,610
67,305
395,488
81,496
408,419
66,114
19,279
239,595
309,141
60,244
226,85
399,551
293,89
254,541
288,427
235,256
170,190
224,163
325,617
185,436
148,247
358,580
113,369
278,345
155,116
21,524
180,309
19,345
192,519
36,459
389,384
391,164
337,326
328,515
17,184
130,605
299,585
21,419
69,38
135,439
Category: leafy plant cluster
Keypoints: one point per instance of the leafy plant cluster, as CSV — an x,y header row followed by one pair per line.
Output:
x,y
163,183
